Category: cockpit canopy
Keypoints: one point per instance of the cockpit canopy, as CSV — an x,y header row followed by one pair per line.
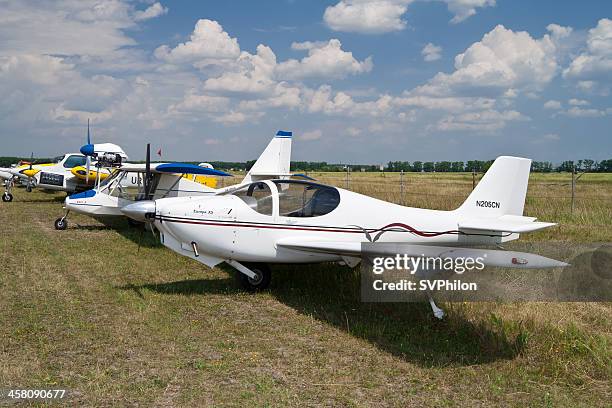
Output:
x,y
296,198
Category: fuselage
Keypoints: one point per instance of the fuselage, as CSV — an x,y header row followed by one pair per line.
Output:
x,y
247,229
124,188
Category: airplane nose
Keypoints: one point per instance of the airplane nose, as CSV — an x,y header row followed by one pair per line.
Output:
x,y
87,150
140,210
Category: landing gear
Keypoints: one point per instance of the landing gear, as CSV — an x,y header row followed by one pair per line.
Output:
x,y
62,223
7,197
439,313
253,277
28,188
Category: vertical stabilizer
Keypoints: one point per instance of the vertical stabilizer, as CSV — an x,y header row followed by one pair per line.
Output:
x,y
501,191
275,159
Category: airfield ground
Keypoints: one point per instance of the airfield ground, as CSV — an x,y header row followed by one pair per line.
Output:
x,y
85,309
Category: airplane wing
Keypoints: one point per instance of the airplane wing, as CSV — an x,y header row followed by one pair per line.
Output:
x,y
491,257
174,168
505,223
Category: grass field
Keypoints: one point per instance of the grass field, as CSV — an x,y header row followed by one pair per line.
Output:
x,y
85,309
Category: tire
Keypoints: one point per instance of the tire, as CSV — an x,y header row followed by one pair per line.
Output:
x,y
29,188
61,224
257,285
7,197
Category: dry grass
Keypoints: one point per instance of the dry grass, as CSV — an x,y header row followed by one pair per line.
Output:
x,y
85,310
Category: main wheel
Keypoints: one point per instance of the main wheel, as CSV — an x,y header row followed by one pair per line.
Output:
x,y
7,197
29,188
260,282
61,224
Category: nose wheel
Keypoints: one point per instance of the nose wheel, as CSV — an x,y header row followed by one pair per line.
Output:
x,y
7,197
61,223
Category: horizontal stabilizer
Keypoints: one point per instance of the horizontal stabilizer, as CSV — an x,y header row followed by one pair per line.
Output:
x,y
505,223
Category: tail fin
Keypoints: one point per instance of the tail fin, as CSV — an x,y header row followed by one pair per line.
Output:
x,y
501,191
274,161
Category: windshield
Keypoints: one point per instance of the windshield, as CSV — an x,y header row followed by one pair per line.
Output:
x,y
75,160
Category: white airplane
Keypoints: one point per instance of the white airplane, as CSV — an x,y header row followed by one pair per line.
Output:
x,y
70,173
128,182
290,221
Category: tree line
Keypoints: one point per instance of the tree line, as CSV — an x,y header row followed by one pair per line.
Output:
x,y
479,166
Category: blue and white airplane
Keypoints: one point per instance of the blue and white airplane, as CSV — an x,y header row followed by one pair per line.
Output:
x,y
129,183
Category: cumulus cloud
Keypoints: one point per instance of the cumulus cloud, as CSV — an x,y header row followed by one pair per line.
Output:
x,y
366,16
503,59
431,52
462,9
311,135
153,11
208,42
595,63
578,102
382,16
85,27
552,104
327,60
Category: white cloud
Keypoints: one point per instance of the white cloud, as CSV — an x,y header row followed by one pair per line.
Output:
x,y
250,74
365,16
483,121
382,16
326,60
153,11
85,27
208,42
578,102
311,135
462,9
576,112
552,104
595,64
431,52
503,59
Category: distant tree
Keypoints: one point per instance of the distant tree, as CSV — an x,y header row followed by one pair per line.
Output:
x,y
474,165
588,164
428,167
567,165
417,166
605,166
457,166
443,166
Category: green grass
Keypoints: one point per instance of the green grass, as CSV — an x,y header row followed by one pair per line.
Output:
x,y
88,310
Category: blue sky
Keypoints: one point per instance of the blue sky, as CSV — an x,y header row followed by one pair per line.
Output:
x,y
357,81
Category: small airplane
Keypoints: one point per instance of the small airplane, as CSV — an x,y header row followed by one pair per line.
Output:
x,y
128,182
70,173
296,221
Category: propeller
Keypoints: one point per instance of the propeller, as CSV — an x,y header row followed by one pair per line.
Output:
x,y
87,158
147,179
147,195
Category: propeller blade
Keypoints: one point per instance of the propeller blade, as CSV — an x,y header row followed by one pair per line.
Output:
x,y
31,159
147,180
88,136
88,165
